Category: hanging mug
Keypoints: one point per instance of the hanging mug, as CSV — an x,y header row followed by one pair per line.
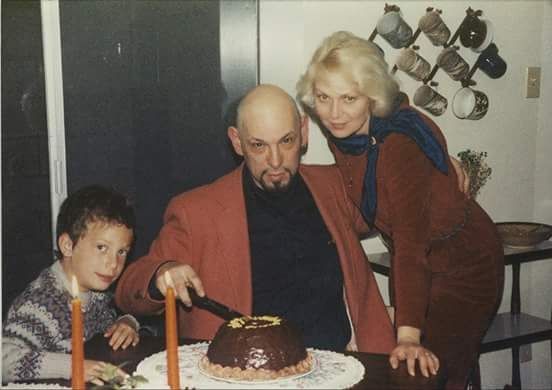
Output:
x,y
434,28
469,103
413,64
476,33
430,100
491,63
392,27
453,64
488,37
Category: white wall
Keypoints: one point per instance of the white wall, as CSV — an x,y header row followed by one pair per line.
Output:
x,y
516,132
539,274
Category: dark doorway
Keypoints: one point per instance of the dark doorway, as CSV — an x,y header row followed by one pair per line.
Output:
x,y
143,98
144,109
26,220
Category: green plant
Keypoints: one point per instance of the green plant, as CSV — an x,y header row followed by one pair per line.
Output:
x,y
115,381
478,170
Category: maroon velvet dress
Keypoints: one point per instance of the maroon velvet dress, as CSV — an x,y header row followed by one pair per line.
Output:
x,y
447,259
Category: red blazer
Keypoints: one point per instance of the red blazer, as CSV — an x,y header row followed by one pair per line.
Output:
x,y
207,229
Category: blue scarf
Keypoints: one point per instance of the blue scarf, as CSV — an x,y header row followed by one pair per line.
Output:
x,y
404,121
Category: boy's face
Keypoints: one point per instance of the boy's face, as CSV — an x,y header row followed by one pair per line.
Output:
x,y
99,256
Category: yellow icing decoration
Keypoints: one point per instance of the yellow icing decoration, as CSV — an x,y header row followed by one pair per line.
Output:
x,y
254,322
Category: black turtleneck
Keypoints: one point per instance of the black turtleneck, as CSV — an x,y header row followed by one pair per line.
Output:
x,y
294,263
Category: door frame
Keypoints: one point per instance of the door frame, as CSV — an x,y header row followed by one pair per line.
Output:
x,y
239,48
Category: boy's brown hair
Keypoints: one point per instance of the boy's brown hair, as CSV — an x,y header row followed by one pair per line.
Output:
x,y
89,204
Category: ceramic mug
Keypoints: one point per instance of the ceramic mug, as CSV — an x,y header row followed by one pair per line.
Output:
x,y
476,33
434,28
392,27
469,103
430,100
453,64
413,64
488,37
491,63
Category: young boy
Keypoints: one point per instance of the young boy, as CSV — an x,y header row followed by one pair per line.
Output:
x,y
95,230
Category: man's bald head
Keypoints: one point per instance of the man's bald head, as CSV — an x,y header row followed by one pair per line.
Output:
x,y
266,100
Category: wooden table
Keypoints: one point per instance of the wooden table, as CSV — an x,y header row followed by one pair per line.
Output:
x,y
517,256
381,263
379,374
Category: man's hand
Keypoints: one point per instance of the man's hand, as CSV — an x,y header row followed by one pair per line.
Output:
x,y
183,276
462,174
408,348
122,334
95,372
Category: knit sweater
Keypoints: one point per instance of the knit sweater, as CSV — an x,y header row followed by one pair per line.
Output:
x,y
36,336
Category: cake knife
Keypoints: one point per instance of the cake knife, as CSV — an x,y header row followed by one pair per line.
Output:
x,y
213,306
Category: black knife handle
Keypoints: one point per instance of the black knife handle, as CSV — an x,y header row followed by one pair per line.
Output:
x,y
213,306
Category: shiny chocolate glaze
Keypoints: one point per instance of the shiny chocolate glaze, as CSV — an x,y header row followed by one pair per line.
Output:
x,y
267,342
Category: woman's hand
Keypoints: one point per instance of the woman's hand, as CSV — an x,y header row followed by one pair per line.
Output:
x,y
409,348
96,372
122,334
428,362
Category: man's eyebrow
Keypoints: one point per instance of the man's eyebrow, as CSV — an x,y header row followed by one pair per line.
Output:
x,y
288,134
292,132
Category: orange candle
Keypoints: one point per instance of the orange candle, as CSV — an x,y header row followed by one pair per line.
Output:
x,y
171,333
77,356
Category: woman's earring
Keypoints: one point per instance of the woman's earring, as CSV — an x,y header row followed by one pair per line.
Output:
x,y
304,148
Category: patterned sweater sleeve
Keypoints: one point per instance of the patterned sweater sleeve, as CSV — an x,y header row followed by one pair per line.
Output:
x,y
102,314
20,361
36,336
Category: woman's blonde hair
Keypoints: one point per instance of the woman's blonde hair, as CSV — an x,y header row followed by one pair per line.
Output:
x,y
359,58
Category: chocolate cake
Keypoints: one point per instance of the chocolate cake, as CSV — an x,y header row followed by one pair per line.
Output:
x,y
257,348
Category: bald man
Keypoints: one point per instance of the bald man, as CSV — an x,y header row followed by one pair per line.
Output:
x,y
272,237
